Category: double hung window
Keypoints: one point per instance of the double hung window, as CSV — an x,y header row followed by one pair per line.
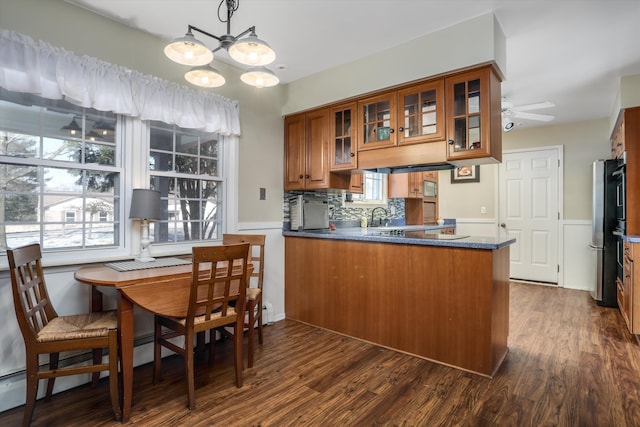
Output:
x,y
375,189
185,166
59,174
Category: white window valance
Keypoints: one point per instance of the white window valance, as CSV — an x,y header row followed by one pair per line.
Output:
x,y
52,72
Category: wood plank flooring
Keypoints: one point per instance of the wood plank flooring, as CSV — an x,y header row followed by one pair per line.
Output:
x,y
571,363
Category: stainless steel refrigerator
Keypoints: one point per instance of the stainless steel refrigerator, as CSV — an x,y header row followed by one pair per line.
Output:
x,y
603,240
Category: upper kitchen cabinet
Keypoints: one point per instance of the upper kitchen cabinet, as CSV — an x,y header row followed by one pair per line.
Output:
x,y
473,113
406,185
421,113
357,183
343,137
628,128
377,121
617,139
306,150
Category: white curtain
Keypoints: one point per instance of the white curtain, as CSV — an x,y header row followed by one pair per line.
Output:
x,y
55,73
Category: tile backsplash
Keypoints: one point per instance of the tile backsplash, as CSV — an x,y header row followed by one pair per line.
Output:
x,y
339,214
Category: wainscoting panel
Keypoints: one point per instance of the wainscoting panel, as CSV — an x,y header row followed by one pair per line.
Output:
x,y
578,259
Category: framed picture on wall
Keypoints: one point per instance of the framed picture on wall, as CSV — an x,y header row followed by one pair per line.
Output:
x,y
465,174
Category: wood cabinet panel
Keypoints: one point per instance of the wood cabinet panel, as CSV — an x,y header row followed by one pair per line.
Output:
x,y
405,185
306,153
618,138
439,310
377,121
317,161
631,123
343,137
421,113
473,115
295,153
357,183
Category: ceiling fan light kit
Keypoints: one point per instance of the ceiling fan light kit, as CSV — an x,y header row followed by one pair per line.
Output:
x,y
249,51
510,112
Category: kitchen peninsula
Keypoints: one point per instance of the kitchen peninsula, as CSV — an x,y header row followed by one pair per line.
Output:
x,y
441,297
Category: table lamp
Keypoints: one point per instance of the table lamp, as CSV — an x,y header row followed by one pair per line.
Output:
x,y
145,205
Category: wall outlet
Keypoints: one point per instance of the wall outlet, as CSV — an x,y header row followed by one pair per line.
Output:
x,y
263,193
483,210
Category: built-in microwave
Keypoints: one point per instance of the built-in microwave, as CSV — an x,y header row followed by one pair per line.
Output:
x,y
430,189
308,213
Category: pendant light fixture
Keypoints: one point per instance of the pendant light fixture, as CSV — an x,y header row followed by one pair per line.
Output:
x,y
249,51
72,128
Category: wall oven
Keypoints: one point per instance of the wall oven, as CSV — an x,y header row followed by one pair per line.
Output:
x,y
619,241
620,180
619,176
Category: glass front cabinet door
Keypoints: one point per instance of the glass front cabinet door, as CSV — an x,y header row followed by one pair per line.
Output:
x,y
343,137
473,115
421,113
377,121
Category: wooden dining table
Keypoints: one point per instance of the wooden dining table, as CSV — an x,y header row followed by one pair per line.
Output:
x,y
161,290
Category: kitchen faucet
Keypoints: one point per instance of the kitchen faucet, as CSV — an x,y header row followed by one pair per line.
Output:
x,y
386,215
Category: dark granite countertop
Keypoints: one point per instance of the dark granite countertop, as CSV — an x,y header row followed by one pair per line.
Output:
x,y
407,235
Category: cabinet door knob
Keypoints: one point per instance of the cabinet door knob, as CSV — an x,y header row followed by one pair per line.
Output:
x,y
300,177
306,176
401,129
352,155
451,142
391,130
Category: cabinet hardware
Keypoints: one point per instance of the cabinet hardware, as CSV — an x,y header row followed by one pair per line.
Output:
x,y
451,142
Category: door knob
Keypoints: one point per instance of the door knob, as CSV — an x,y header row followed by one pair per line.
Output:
x,y
503,225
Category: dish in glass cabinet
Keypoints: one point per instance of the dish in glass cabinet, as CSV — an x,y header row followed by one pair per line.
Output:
x,y
383,133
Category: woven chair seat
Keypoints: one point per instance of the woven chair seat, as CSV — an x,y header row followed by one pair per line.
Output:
x,y
201,319
253,293
79,326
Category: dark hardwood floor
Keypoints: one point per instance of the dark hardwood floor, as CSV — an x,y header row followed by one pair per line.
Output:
x,y
571,363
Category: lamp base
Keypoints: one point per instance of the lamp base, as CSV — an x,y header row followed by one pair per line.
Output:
x,y
145,259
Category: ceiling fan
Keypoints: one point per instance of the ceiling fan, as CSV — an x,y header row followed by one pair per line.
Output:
x,y
511,112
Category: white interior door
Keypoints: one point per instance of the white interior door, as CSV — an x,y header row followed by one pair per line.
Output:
x,y
529,211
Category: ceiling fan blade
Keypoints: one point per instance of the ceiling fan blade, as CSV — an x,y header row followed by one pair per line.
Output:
x,y
533,116
536,106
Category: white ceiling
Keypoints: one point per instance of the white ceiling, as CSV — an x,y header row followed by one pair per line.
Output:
x,y
569,52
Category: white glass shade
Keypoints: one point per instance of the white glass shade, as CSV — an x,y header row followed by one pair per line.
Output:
x,y
205,76
260,77
252,51
188,50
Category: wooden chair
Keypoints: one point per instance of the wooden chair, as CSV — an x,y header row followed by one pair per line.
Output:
x,y
44,332
217,298
254,294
